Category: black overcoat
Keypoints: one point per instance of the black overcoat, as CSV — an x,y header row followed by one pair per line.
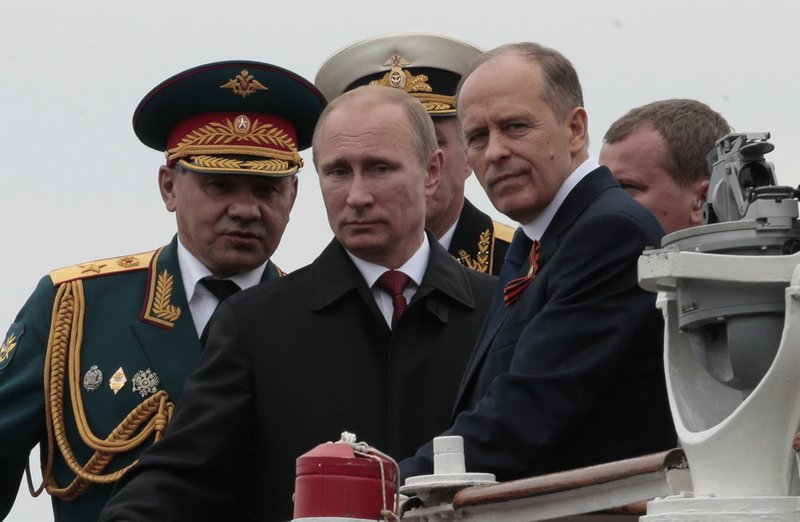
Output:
x,y
291,365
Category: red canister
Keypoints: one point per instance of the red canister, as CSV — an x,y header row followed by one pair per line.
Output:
x,y
335,481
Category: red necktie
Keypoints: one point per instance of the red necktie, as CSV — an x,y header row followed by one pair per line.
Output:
x,y
514,288
393,282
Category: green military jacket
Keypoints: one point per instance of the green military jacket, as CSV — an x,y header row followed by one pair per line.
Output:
x,y
479,242
115,341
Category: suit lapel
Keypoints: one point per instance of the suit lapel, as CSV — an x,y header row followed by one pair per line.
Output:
x,y
597,181
497,314
573,206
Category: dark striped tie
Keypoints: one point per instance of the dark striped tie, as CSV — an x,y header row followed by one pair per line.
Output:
x,y
514,288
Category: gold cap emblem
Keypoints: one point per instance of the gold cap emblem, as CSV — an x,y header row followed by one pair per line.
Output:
x,y
242,125
399,78
244,84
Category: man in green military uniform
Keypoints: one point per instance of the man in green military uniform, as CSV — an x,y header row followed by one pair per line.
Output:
x,y
116,338
428,67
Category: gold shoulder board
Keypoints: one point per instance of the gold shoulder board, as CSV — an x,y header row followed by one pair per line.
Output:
x,y
102,267
503,232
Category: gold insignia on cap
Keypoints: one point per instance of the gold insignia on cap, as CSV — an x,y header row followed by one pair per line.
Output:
x,y
232,164
117,381
399,78
7,347
244,84
417,86
216,134
242,125
204,145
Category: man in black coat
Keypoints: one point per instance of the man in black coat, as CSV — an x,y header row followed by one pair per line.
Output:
x,y
568,370
326,349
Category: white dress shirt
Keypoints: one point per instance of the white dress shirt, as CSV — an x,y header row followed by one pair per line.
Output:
x,y
447,238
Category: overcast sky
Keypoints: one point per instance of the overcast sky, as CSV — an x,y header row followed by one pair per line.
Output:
x,y
78,185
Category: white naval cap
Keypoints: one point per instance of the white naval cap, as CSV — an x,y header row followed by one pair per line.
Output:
x,y
427,66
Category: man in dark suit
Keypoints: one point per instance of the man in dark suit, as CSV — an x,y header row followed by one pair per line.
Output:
x,y
568,369
116,338
428,67
330,347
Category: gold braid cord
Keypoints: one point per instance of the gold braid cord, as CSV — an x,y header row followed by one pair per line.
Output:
x,y
436,103
62,366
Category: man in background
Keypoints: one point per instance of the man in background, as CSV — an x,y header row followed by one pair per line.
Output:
x,y
428,67
658,153
116,338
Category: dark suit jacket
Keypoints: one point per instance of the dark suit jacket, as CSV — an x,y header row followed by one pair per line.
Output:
x,y
291,365
479,242
572,374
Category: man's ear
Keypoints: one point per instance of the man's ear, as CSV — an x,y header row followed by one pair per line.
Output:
x,y
699,191
294,191
166,185
434,172
578,124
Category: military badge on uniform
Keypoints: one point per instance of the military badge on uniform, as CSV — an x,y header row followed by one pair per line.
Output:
x,y
145,382
92,379
128,262
117,381
9,346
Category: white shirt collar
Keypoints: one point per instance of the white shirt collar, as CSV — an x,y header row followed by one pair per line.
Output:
x,y
535,228
413,268
192,271
447,238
